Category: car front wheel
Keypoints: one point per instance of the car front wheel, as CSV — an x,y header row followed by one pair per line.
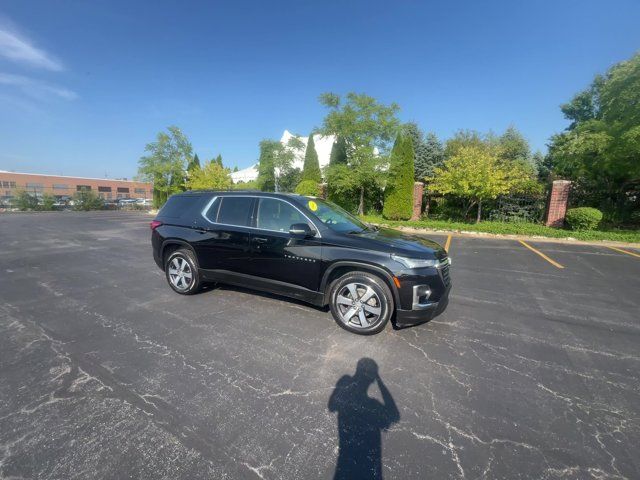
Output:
x,y
181,271
361,303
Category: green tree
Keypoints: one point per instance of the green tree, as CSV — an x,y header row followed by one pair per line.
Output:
x,y
25,201
429,151
368,128
193,164
514,147
219,160
210,177
311,169
476,173
467,138
309,188
338,152
85,200
165,164
235,169
543,166
398,193
599,149
266,180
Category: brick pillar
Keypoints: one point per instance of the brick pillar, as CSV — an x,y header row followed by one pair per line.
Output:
x,y
323,191
557,203
418,190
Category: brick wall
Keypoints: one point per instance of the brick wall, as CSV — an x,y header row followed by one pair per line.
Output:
x,y
557,203
11,182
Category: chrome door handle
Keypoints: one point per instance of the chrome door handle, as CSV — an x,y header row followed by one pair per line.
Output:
x,y
260,240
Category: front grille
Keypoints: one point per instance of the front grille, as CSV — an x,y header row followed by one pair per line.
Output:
x,y
444,271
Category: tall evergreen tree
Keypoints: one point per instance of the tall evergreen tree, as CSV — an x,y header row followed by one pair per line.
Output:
x,y
398,194
311,169
219,160
266,167
433,155
193,163
338,152
514,147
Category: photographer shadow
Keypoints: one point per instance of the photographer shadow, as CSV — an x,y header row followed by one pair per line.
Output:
x,y
361,420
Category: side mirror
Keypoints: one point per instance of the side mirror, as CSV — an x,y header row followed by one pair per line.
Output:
x,y
302,229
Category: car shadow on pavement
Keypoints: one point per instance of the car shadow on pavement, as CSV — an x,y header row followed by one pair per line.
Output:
x,y
361,420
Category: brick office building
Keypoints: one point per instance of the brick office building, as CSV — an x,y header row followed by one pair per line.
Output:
x,y
63,186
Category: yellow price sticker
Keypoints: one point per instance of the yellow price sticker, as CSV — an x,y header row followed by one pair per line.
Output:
x,y
313,206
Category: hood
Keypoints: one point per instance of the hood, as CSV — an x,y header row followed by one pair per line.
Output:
x,y
394,241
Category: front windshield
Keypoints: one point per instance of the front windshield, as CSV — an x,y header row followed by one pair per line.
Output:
x,y
336,218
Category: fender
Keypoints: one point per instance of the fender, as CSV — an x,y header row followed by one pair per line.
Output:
x,y
176,241
365,266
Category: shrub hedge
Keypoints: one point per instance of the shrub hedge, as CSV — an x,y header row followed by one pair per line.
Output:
x,y
583,218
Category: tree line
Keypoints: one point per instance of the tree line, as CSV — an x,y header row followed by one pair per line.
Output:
x,y
375,158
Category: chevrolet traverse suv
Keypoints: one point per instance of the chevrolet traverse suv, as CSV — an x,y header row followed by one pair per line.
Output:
x,y
301,247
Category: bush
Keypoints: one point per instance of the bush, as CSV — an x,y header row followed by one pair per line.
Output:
x,y
85,200
308,187
583,218
634,218
25,201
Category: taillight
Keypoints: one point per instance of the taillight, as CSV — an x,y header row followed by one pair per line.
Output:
x,y
155,224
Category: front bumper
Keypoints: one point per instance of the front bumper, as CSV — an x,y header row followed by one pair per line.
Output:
x,y
424,293
424,314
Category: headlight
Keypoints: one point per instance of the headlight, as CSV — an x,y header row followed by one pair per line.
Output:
x,y
415,262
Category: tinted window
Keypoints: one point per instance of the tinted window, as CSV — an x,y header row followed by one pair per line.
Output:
x,y
212,211
235,211
336,218
177,206
277,215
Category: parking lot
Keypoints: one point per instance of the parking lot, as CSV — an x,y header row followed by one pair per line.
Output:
x,y
533,371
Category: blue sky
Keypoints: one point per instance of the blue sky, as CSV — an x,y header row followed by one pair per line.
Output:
x,y
84,85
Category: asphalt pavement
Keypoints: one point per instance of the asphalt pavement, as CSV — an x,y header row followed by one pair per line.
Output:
x,y
533,371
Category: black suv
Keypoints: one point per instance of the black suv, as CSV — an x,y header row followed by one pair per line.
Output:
x,y
301,247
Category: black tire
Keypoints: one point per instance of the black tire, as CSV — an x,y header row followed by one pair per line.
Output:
x,y
183,256
342,303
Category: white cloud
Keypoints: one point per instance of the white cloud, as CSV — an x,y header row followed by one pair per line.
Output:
x,y
36,88
17,48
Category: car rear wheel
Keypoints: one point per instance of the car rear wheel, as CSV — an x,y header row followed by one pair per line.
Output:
x,y
361,303
181,271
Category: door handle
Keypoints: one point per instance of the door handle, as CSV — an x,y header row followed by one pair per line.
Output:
x,y
260,240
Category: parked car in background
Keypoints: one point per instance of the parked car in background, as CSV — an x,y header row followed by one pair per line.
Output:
x,y
302,247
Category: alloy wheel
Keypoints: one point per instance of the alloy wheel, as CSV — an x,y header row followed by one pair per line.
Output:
x,y
358,305
180,273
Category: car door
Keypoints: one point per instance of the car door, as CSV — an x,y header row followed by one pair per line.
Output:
x,y
278,255
224,233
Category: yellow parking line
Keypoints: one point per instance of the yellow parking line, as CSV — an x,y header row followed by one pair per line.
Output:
x,y
448,243
619,250
552,262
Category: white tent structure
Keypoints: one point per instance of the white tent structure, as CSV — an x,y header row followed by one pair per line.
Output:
x,y
323,145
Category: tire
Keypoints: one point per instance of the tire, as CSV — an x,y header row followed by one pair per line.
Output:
x,y
181,271
371,309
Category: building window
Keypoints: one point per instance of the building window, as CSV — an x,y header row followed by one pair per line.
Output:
x,y
123,189
60,186
104,189
140,190
34,187
83,188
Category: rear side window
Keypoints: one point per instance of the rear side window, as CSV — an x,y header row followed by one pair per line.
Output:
x,y
235,211
177,206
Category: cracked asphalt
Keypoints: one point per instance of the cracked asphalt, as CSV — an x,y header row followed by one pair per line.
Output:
x,y
532,372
